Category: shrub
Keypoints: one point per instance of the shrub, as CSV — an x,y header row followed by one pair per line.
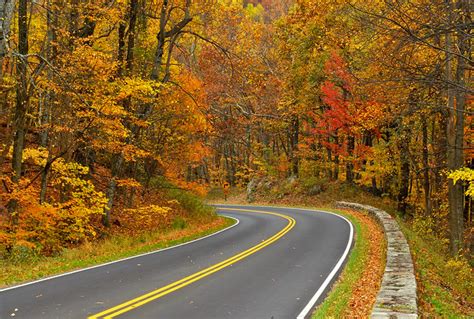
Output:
x,y
179,223
146,217
47,228
190,202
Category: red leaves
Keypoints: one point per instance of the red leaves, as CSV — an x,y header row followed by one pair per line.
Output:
x,y
335,94
343,113
336,69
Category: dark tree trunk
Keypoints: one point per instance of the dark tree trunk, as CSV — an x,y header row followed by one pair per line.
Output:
x,y
117,163
350,164
52,23
426,167
404,184
131,33
455,127
294,140
21,90
164,34
160,49
121,48
336,158
440,147
329,159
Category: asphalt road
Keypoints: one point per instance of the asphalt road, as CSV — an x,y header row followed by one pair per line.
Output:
x,y
267,266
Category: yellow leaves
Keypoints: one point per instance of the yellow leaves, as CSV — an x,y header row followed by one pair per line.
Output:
x,y
128,182
461,270
255,12
69,170
370,115
37,155
47,227
88,64
132,153
195,187
146,211
138,88
139,123
112,146
464,174
108,106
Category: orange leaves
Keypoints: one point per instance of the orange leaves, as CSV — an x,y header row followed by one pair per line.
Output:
x,y
147,217
195,187
46,228
86,60
132,153
370,115
128,182
367,286
198,151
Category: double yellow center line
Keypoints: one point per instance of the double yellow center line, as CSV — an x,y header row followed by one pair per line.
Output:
x,y
153,295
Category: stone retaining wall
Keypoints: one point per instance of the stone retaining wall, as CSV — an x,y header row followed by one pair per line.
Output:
x,y
397,295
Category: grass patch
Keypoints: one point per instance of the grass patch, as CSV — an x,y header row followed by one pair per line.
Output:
x,y
25,267
445,285
216,194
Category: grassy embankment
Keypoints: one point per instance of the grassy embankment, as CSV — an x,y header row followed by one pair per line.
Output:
x,y
200,220
445,284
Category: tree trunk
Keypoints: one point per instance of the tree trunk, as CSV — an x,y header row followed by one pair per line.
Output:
x,y
248,145
21,91
121,48
45,118
118,160
111,188
131,33
349,164
439,177
329,159
294,140
336,158
404,185
160,49
426,167
455,127
44,180
163,34
7,8
117,163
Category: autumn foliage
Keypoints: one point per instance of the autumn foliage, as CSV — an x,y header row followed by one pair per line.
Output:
x,y
108,107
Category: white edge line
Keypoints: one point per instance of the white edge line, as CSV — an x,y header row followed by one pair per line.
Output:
x,y
336,268
124,259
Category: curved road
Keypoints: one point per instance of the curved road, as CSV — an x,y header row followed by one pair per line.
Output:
x,y
276,263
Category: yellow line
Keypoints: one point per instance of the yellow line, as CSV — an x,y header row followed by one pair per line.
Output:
x,y
153,295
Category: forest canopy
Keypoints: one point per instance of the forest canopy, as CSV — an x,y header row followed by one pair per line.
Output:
x,y
105,104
